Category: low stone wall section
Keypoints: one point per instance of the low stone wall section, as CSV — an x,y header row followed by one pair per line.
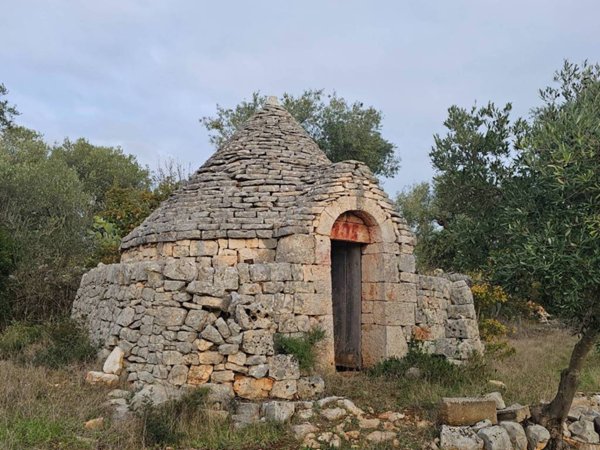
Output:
x,y
445,318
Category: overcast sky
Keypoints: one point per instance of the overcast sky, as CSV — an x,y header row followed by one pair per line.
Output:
x,y
140,74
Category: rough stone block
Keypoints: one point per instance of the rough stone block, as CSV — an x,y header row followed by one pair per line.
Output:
x,y
396,345
101,379
197,319
407,263
537,437
277,411
172,358
252,388
394,313
467,411
310,387
495,438
373,343
114,362
258,342
210,358
181,269
199,374
222,376
204,248
460,293
284,367
517,435
284,389
462,329
459,438
125,317
312,304
220,303
171,317
296,248
178,375
514,413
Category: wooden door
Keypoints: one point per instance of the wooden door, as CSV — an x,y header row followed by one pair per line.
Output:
x,y
346,294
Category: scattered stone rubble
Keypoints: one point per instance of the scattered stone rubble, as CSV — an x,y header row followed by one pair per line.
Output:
x,y
320,424
472,424
241,253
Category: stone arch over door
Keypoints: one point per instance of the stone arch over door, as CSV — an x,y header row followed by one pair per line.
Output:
x,y
380,336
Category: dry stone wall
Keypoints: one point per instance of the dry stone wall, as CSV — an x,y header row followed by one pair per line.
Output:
x,y
196,312
190,320
445,318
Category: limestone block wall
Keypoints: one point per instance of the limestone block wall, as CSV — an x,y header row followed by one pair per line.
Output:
x,y
445,318
194,312
191,312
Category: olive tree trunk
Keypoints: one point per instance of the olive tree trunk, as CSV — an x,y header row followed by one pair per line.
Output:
x,y
553,415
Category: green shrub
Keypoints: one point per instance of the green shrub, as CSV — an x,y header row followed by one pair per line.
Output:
x,y
300,347
17,337
161,423
52,344
434,368
67,343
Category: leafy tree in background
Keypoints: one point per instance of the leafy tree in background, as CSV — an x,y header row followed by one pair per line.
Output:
x,y
552,249
342,130
63,209
44,210
458,221
102,168
416,204
7,111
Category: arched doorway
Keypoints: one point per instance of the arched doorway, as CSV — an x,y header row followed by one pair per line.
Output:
x,y
349,234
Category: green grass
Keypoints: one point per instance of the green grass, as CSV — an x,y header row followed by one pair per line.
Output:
x,y
302,348
52,344
40,432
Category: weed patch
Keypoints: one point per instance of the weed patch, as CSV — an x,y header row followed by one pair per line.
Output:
x,y
161,423
303,348
52,344
432,368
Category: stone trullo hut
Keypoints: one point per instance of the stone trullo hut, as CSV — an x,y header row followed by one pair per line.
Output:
x,y
269,236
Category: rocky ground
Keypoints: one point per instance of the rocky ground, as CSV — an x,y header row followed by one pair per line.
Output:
x,y
487,423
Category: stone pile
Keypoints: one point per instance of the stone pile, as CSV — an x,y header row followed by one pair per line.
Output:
x,y
329,422
486,423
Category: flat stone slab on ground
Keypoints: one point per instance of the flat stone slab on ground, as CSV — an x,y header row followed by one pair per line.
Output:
x,y
467,411
514,413
102,379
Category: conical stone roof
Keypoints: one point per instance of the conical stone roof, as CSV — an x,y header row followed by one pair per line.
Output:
x,y
244,189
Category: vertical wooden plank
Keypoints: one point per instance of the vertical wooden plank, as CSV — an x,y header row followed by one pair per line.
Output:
x,y
353,302
338,287
346,297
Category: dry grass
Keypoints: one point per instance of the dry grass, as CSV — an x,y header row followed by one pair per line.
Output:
x,y
45,408
533,372
531,375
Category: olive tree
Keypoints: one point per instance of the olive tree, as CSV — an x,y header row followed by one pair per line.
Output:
x,y
552,221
